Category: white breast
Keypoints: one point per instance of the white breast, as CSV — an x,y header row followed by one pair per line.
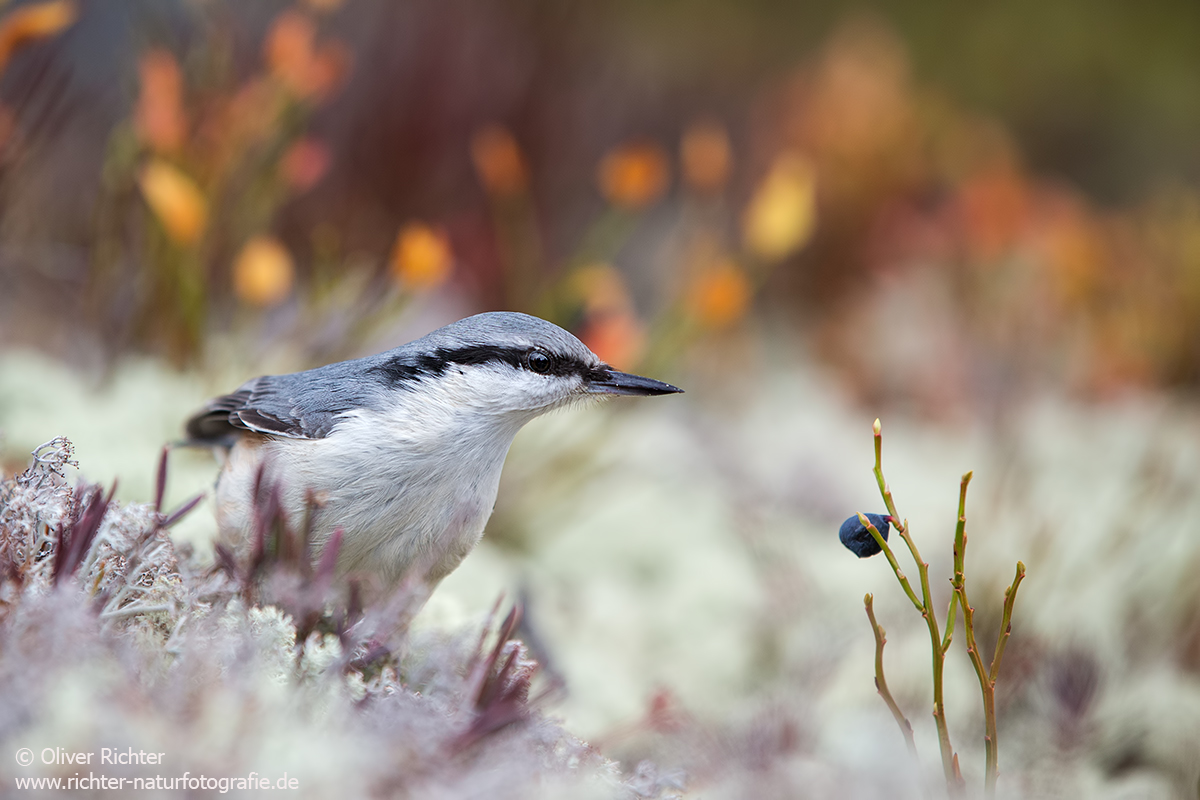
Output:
x,y
411,489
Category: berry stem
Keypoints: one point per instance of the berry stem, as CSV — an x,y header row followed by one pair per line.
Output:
x,y
953,777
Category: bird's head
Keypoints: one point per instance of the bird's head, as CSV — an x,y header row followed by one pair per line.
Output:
x,y
508,363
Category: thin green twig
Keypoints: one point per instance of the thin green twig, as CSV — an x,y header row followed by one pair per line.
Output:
x,y
987,677
881,683
941,644
951,615
986,687
891,557
925,607
1010,598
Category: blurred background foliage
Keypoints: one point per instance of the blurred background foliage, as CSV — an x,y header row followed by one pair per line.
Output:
x,y
648,175
805,214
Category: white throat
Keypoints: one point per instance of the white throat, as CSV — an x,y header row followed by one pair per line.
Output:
x,y
412,486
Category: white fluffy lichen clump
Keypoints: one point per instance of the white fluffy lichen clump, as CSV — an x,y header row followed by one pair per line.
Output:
x,y
112,642
122,557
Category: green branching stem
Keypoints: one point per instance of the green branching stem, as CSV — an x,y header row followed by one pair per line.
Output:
x,y
881,683
987,677
1010,598
925,607
986,687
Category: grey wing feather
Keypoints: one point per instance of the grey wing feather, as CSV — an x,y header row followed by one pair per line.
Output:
x,y
304,405
275,405
213,422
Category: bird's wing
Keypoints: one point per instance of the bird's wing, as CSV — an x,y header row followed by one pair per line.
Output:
x,y
275,405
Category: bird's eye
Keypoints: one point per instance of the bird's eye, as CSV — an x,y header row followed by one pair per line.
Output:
x,y
538,361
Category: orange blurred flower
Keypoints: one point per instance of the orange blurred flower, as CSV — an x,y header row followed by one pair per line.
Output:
x,y
175,199
32,22
159,117
295,60
1073,245
782,214
706,156
305,163
611,327
422,258
263,272
860,105
720,296
499,161
618,339
634,175
995,206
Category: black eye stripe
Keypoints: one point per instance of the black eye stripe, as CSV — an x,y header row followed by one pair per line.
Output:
x,y
407,370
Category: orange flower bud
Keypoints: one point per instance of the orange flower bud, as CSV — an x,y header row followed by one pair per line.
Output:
x,y
996,210
175,199
611,327
294,59
634,175
305,163
498,161
706,157
263,272
159,117
720,297
421,258
289,48
619,338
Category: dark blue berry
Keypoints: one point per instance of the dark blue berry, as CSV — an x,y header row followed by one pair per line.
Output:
x,y
858,540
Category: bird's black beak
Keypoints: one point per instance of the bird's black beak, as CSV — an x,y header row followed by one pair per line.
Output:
x,y
609,381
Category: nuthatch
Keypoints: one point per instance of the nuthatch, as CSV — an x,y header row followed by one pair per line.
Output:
x,y
402,450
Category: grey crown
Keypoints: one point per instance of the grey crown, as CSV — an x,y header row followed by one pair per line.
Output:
x,y
306,405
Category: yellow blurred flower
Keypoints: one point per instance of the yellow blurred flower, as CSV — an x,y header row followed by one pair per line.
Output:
x,y
499,161
159,117
31,22
781,216
421,258
175,199
720,296
706,156
263,272
634,175
600,288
